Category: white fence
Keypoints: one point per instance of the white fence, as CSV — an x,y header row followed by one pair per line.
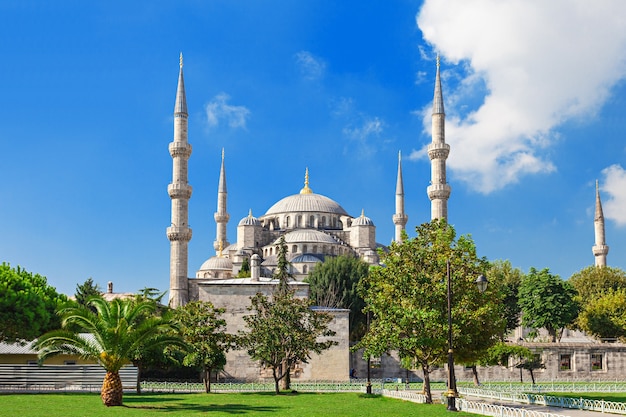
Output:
x,y
548,400
59,377
488,409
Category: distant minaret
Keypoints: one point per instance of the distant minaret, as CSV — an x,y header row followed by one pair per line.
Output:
x,y
399,218
600,249
179,190
438,150
221,216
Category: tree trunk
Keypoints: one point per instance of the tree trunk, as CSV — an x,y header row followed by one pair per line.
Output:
x,y
475,375
276,380
139,368
521,375
426,390
112,391
284,375
532,375
206,378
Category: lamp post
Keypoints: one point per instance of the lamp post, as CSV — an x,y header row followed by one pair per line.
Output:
x,y
481,282
368,385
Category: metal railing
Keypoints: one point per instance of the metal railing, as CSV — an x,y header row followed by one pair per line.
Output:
x,y
548,400
489,409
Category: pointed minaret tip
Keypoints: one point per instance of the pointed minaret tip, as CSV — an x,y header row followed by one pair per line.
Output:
x,y
181,60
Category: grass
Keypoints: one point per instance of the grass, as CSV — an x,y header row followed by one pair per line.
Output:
x,y
253,404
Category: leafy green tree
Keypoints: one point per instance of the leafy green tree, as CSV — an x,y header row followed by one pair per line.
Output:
x,y
334,284
593,281
547,302
508,279
86,290
282,331
282,273
205,337
150,293
28,305
604,316
116,332
244,272
408,300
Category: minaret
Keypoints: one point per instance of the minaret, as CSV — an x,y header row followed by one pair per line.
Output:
x,y
600,249
221,216
179,190
438,150
400,218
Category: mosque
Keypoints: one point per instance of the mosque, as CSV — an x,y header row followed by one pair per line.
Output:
x,y
314,228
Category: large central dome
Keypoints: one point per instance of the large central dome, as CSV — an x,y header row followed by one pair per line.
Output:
x,y
306,201
298,203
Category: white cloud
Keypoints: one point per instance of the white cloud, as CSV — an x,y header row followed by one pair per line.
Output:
x,y
370,127
614,185
311,67
218,110
538,63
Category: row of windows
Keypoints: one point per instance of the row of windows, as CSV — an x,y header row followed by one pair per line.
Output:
x,y
333,222
325,249
566,362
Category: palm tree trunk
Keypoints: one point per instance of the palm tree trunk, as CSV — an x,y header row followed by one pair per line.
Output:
x,y
112,390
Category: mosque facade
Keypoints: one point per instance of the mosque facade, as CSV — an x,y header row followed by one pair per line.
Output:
x,y
314,228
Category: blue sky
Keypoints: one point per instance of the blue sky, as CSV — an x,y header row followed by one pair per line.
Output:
x,y
535,105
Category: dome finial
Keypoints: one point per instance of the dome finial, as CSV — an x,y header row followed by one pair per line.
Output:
x,y
306,189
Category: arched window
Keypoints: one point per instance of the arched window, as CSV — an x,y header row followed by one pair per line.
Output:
x,y
304,269
286,221
271,251
323,221
314,248
294,248
304,248
298,221
311,221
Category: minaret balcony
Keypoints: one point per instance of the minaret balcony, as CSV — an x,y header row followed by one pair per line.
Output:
x,y
438,150
400,218
600,250
221,217
179,190
438,191
178,234
180,149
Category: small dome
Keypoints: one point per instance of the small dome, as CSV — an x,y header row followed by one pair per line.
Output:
x,y
217,263
305,258
249,220
362,220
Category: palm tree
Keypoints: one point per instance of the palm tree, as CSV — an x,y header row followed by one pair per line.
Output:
x,y
111,336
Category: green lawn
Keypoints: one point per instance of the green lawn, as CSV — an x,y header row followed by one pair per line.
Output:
x,y
254,404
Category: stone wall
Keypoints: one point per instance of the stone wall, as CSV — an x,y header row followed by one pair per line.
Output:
x,y
234,295
562,362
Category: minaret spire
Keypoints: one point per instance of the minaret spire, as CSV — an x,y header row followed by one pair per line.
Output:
x,y
399,218
179,233
600,249
221,216
306,189
438,150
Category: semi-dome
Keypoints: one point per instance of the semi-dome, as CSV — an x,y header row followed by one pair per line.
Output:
x,y
217,263
305,258
298,203
307,236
